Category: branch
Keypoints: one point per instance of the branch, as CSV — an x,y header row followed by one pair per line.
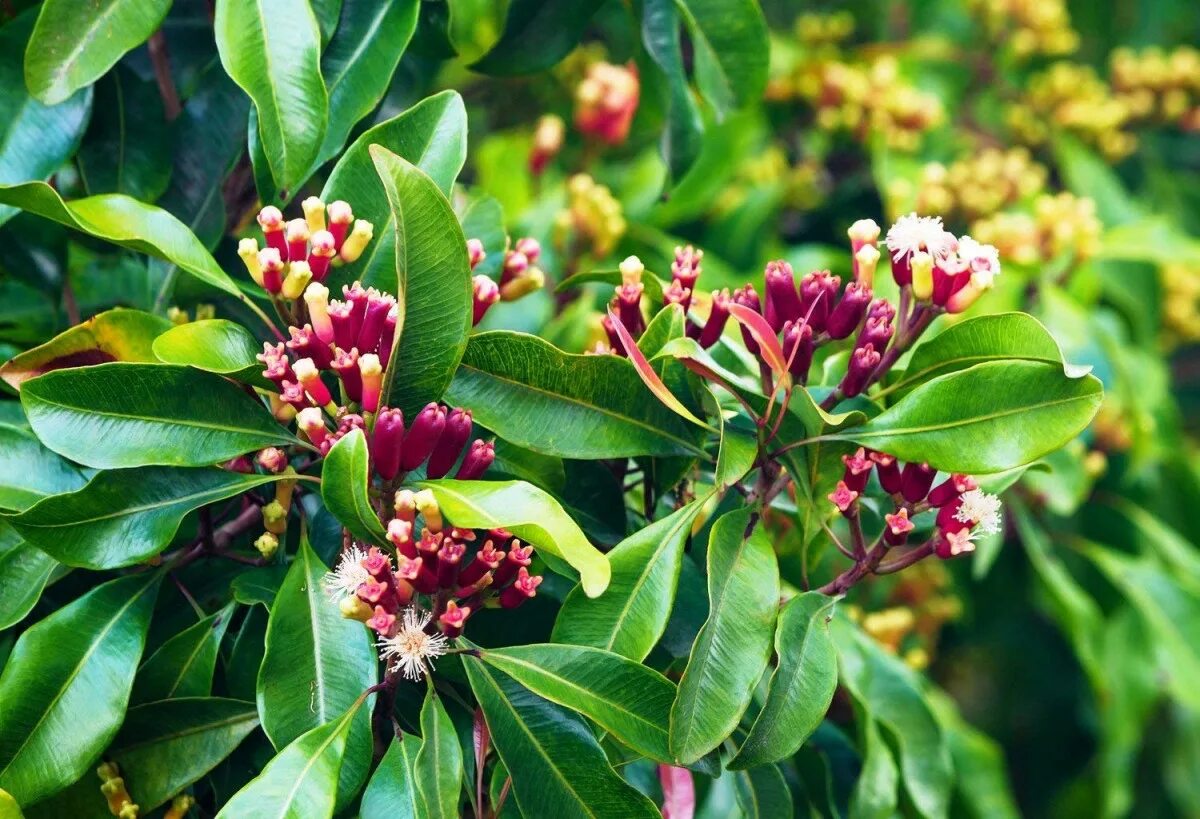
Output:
x,y
162,74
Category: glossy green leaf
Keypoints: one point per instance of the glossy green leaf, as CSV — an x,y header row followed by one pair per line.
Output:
x,y
632,614
998,337
24,572
891,694
35,139
127,222
537,34
114,335
878,787
729,40
302,782
9,809
801,686
433,288
359,63
625,698
762,793
71,47
76,661
328,13
127,147
557,767
316,665
215,346
272,49
30,473
246,654
345,479
164,747
736,456
988,418
981,780
258,585
733,646
392,791
682,138
119,415
438,768
530,514
574,406
124,516
183,666
475,26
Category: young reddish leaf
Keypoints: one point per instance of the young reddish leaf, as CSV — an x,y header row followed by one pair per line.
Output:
x,y
772,352
648,375
679,792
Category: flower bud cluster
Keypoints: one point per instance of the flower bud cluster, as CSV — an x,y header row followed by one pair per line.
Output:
x,y
1028,28
1072,97
302,250
1157,86
979,185
917,607
112,786
606,100
805,184
1180,303
593,220
815,31
548,136
1061,225
423,594
436,437
519,275
964,512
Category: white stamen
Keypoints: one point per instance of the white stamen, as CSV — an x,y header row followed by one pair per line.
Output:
x,y
981,509
914,233
348,576
411,651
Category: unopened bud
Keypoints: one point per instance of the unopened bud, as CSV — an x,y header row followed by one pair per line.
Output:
x,y
312,423
273,459
427,505
180,805
354,608
274,518
339,216
298,277
270,219
631,270
475,252
485,294
296,235
248,251
387,437
320,253
356,242
316,297
528,282
266,544
314,213
372,380
865,261
921,266
270,263
450,444
422,436
479,457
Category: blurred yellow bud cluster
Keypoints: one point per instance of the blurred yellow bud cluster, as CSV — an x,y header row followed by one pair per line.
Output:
x,y
1074,98
824,30
916,609
1028,27
804,184
1181,303
1157,86
592,219
1061,225
980,185
1111,429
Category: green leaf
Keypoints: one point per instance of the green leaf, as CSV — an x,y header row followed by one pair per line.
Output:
x,y
317,663
733,646
35,139
632,614
24,572
475,26
72,47
124,516
345,479
215,346
272,49
998,337
530,514
258,585
736,456
729,38
183,666
127,147
537,34
118,415
988,418
359,63
981,780
75,662
164,747
124,221
302,782
433,287
327,13
574,406
245,654
891,694
683,137
557,767
392,791
9,809
801,686
629,700
762,793
438,768
114,335
29,472
877,789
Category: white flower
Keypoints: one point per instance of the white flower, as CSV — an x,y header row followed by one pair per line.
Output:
x,y
979,508
411,651
980,258
348,576
912,233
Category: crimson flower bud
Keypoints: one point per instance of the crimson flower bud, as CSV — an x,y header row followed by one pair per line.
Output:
x,y
310,379
387,336
817,293
453,619
425,577
518,557
629,307
358,299
951,488
272,459
881,307
270,219
849,311
479,458
487,559
843,497
486,293
239,464
316,297
341,316
530,246
685,269
515,263
522,589
449,557
385,443
371,372
321,253
270,262
405,505
888,471
312,423
422,436
862,233
782,303
275,360
748,298
340,216
450,444
345,364
858,469
475,252
863,362
376,563
305,344
953,543
676,293
877,332
798,347
381,621
296,235
293,395
917,478
898,527
716,319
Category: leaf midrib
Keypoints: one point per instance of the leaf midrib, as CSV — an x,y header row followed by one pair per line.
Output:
x,y
866,432
249,715
949,364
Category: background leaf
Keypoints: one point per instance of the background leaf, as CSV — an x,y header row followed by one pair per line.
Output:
x,y
344,484
127,148
438,768
30,473
392,791
729,38
215,346
183,666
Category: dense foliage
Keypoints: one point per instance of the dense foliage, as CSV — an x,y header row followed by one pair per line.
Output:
x,y
560,408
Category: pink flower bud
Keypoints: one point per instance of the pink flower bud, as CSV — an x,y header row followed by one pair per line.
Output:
x,y
486,560
296,235
898,527
270,261
877,332
378,306
951,488
817,293
858,469
345,364
953,544
272,459
386,440
798,347
387,337
475,252
372,380
358,299
843,497
515,263
381,621
716,319
449,557
522,589
341,316
479,458
629,307
316,298
863,362
748,298
486,293
450,444
676,293
917,478
518,558
292,394
270,219
310,379
529,246
340,216
422,436
685,269
305,344
275,360
453,619
405,505
321,253
312,423
888,470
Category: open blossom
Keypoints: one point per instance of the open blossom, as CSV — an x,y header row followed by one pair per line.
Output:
x,y
911,234
980,509
411,650
348,576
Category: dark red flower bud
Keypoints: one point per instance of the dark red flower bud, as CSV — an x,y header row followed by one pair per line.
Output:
x,y
877,332
345,332
951,488
487,559
676,293
849,311
385,442
425,580
898,527
292,393
320,254
747,296
716,319
858,469
917,478
378,306
629,307
358,299
863,362
450,444
305,344
479,458
453,619
843,497
449,558
881,307
345,364
888,470
388,335
518,557
523,588
817,292
614,340
422,436
278,368
515,263
798,347
486,293
782,302
948,271
685,269
529,246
